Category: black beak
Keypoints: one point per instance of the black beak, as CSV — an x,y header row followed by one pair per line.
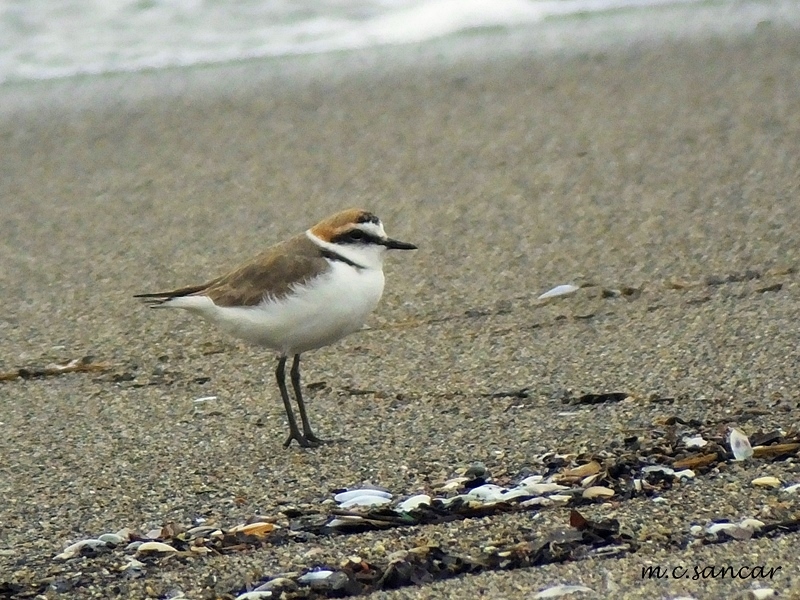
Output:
x,y
398,245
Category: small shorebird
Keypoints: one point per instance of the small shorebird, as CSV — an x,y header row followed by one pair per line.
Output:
x,y
301,294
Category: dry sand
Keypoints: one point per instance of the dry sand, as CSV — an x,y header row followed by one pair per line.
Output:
x,y
650,166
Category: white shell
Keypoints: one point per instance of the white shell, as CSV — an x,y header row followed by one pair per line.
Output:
x,y
369,500
530,480
486,492
685,474
740,444
414,502
658,469
155,547
74,550
254,595
350,494
539,489
792,489
559,290
768,481
538,501
598,491
761,593
562,590
696,441
314,576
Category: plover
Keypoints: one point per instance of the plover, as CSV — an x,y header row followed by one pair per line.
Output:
x,y
301,294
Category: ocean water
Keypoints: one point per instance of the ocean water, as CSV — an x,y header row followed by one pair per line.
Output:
x,y
48,39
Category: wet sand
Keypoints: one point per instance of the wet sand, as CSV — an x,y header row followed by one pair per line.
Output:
x,y
671,168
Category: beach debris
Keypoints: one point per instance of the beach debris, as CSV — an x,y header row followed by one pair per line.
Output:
x,y
348,495
84,364
761,594
559,290
598,491
155,548
313,576
768,482
258,529
792,489
563,590
695,441
260,595
740,444
87,547
413,503
743,530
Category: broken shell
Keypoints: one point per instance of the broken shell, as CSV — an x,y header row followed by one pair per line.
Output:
x,y
696,441
452,485
254,595
155,547
258,529
792,489
538,501
539,489
559,290
414,502
768,481
562,590
365,501
312,576
684,474
75,549
598,491
740,444
486,492
358,493
112,538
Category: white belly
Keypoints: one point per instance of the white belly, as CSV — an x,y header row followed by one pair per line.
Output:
x,y
318,314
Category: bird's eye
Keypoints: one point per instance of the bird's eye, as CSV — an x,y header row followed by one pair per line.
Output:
x,y
357,235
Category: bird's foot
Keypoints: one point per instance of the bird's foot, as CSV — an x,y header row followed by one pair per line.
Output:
x,y
302,440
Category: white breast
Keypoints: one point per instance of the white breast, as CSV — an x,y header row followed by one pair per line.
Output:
x,y
315,315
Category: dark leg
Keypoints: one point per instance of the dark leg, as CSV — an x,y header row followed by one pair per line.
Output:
x,y
294,432
300,404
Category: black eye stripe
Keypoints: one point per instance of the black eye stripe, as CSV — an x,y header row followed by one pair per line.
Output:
x,y
356,236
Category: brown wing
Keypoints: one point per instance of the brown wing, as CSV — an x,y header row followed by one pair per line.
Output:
x,y
271,275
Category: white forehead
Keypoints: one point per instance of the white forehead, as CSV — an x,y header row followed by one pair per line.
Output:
x,y
375,229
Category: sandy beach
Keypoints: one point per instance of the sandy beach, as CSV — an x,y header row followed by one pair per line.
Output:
x,y
663,176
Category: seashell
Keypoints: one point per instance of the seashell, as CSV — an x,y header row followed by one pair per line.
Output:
x,y
762,593
562,590
598,491
312,576
539,489
589,468
792,489
715,528
768,481
696,441
112,538
696,530
201,531
356,493
452,485
369,500
133,546
684,474
487,492
530,480
740,444
538,501
560,498
204,399
254,595
199,549
258,529
155,547
75,549
590,480
345,520
658,469
515,493
559,290
414,502
752,524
